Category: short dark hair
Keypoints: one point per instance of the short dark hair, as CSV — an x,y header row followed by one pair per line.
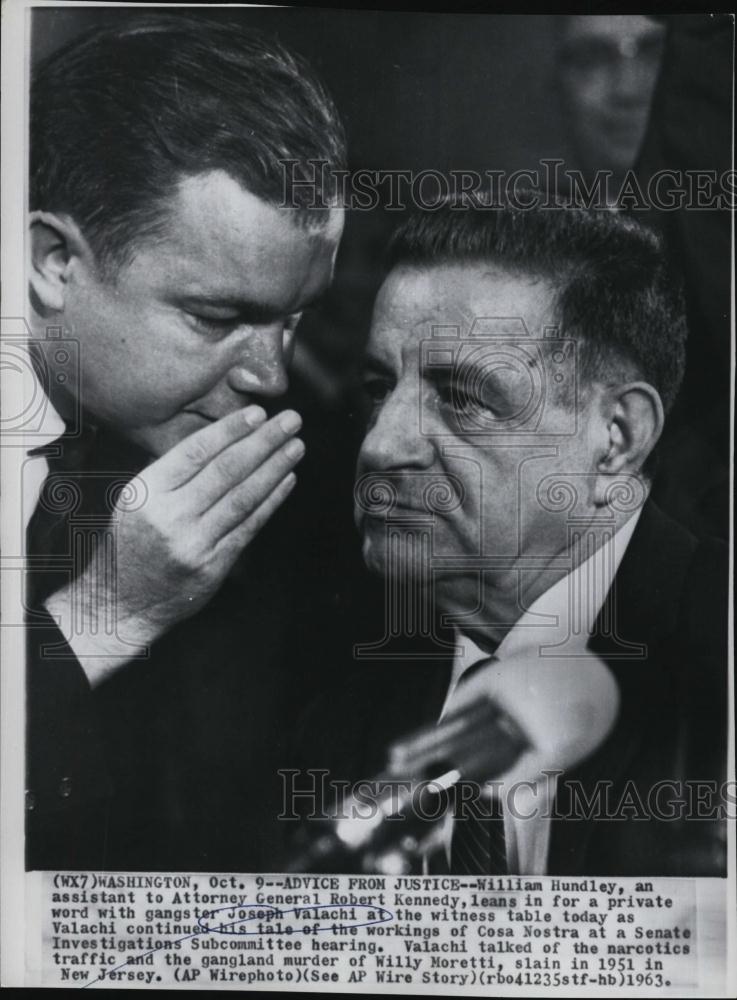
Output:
x,y
122,113
616,293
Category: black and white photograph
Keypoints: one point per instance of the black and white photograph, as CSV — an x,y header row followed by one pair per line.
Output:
x,y
367,500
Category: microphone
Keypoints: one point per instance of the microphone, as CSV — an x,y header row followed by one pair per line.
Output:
x,y
510,721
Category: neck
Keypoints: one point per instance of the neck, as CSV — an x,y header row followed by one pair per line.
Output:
x,y
508,593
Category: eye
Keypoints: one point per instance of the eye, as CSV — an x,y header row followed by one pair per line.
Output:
x,y
213,324
451,396
461,409
376,389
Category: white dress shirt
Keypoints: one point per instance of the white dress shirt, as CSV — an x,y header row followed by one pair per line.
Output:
x,y
563,616
40,425
48,427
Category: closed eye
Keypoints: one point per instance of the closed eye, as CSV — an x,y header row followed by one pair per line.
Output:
x,y
224,324
213,324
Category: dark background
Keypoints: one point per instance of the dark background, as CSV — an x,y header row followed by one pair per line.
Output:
x,y
415,90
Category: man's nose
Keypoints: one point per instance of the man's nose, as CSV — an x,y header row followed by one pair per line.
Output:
x,y
395,439
260,366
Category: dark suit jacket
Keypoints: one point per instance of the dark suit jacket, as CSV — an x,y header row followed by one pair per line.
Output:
x,y
172,764
669,597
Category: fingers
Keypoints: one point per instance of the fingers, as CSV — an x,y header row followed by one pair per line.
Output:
x,y
246,531
245,472
243,500
187,458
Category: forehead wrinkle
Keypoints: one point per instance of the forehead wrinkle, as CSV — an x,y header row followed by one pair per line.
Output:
x,y
456,296
423,323
475,289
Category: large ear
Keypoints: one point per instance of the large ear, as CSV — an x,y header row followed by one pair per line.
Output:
x,y
635,419
57,245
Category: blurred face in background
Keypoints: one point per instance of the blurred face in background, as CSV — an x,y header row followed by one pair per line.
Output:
x,y
607,69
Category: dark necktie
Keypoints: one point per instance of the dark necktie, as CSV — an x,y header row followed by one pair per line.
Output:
x,y
47,535
85,475
478,845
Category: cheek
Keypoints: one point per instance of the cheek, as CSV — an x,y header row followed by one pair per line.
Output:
x,y
112,341
144,376
169,366
457,527
491,512
487,483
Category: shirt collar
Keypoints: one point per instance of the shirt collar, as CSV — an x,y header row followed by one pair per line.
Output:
x,y
47,426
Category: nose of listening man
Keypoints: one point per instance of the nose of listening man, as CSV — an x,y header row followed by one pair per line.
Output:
x,y
398,438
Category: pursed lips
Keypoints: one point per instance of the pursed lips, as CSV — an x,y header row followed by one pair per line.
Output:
x,y
397,509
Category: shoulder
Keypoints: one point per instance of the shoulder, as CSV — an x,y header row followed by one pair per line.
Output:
x,y
665,563
673,588
695,570
669,596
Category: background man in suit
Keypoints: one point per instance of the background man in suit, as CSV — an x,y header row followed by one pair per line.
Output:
x,y
162,247
520,367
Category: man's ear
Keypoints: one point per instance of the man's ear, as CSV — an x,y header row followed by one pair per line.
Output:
x,y
57,245
635,419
